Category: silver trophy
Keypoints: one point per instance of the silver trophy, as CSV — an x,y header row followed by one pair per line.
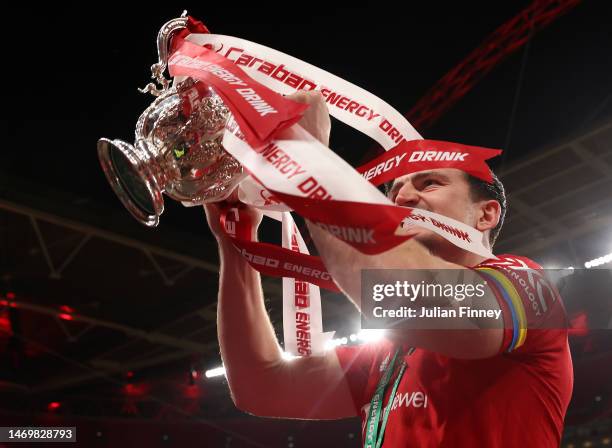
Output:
x,y
177,149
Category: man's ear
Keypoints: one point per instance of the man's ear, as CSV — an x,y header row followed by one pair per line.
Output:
x,y
488,215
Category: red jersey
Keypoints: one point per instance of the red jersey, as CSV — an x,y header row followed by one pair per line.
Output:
x,y
517,398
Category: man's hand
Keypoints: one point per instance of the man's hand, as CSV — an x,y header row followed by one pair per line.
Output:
x,y
316,121
316,118
213,212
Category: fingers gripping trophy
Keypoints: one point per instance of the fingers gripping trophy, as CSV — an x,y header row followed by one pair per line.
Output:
x,y
177,148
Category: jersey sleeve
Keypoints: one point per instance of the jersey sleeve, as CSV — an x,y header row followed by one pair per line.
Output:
x,y
530,303
360,363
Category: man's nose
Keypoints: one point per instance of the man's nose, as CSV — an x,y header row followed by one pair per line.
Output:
x,y
407,197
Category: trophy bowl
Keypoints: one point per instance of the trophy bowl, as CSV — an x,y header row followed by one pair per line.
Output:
x,y
177,151
178,147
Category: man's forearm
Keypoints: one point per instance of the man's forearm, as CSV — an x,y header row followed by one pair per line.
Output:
x,y
249,347
345,263
476,339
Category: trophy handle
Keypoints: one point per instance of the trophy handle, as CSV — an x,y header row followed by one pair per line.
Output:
x,y
163,43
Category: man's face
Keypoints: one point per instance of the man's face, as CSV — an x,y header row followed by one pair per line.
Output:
x,y
444,191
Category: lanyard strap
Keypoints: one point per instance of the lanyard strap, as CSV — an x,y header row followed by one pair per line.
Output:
x,y
389,404
374,437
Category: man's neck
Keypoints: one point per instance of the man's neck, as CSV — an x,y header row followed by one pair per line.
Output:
x,y
461,257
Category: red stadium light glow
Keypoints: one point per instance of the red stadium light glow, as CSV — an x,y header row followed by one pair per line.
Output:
x,y
10,295
66,309
54,405
65,316
192,392
5,324
133,390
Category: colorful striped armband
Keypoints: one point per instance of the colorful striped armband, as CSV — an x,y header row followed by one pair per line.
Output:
x,y
513,300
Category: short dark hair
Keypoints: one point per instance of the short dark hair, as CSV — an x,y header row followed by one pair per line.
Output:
x,y
482,190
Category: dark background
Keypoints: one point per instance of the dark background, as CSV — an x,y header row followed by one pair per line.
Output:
x,y
70,75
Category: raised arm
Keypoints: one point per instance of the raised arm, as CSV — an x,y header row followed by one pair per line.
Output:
x,y
260,380
466,338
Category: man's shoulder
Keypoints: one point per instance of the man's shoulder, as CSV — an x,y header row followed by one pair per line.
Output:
x,y
529,282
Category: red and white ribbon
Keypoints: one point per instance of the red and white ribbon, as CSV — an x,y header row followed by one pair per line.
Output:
x,y
285,74
302,317
419,155
290,169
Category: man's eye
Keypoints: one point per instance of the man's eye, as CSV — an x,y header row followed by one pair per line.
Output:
x,y
429,182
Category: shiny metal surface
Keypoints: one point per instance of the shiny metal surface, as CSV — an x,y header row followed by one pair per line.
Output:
x,y
177,149
163,43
